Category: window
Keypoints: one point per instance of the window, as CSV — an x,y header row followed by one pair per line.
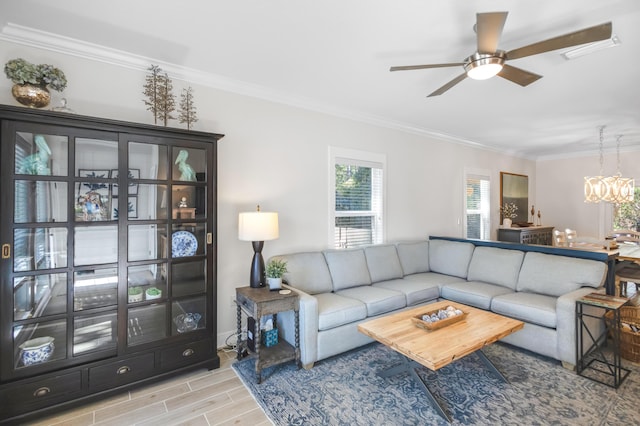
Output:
x,y
478,223
357,198
627,215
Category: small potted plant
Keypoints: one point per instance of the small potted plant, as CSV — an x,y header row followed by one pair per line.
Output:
x,y
135,294
31,82
153,293
274,271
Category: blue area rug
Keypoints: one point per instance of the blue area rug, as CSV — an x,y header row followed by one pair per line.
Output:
x,y
345,390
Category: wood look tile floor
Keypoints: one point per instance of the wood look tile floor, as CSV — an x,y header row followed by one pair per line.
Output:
x,y
199,398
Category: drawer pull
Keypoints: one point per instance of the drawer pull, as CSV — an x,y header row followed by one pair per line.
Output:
x,y
188,352
123,370
41,392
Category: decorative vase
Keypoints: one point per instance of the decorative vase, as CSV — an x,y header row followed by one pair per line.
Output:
x,y
31,95
135,295
274,283
506,223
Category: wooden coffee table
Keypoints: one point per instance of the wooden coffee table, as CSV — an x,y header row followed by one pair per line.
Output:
x,y
435,349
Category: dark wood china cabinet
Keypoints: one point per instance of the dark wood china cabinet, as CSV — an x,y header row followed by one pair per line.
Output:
x,y
108,266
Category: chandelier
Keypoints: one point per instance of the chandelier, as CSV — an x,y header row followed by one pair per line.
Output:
x,y
611,189
621,188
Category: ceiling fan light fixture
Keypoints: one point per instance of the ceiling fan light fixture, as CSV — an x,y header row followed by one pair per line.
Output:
x,y
482,66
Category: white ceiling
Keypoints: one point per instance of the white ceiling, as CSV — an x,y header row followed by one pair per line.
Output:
x,y
334,56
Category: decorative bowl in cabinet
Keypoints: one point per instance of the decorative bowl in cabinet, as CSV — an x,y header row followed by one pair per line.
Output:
x,y
37,350
187,322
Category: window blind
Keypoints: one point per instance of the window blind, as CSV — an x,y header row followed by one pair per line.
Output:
x,y
478,207
358,202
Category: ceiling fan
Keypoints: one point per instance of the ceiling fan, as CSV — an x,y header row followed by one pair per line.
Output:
x,y
488,60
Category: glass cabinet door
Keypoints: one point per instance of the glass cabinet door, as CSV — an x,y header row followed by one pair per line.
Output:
x,y
39,180
59,188
167,239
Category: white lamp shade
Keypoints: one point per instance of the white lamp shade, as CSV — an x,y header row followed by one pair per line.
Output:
x,y
258,226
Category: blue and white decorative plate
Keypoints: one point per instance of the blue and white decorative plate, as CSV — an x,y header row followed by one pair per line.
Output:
x,y
183,243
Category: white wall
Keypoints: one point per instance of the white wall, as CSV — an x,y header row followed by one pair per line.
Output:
x,y
560,191
277,156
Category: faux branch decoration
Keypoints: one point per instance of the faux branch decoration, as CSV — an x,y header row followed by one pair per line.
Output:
x,y
187,108
508,211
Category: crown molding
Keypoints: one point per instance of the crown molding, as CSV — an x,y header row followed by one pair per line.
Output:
x,y
590,153
32,37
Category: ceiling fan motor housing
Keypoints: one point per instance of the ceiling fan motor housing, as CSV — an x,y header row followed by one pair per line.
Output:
x,y
481,66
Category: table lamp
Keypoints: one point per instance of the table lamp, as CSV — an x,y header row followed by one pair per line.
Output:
x,y
257,227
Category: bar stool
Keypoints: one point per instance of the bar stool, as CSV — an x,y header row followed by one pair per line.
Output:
x,y
570,235
626,274
559,238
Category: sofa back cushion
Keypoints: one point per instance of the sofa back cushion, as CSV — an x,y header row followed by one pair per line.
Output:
x,y
557,275
495,266
383,262
414,257
348,268
450,257
307,271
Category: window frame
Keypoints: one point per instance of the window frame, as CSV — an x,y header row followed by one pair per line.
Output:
x,y
359,158
480,174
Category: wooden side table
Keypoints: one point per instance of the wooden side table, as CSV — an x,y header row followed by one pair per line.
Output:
x,y
595,364
259,302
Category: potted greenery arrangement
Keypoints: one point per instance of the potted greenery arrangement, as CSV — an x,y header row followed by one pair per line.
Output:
x,y
508,212
153,293
135,294
274,271
31,82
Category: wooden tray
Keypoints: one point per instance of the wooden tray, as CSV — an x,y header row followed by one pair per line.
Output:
x,y
430,326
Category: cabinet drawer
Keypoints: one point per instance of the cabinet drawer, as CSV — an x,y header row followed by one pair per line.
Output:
x,y
185,354
121,372
28,396
248,305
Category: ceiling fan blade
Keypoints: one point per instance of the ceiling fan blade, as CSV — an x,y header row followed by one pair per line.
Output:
x,y
489,29
518,76
587,35
449,85
420,67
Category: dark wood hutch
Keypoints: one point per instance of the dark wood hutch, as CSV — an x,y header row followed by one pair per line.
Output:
x,y
103,286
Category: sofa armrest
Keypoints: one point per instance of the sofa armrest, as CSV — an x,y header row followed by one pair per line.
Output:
x,y
308,327
566,322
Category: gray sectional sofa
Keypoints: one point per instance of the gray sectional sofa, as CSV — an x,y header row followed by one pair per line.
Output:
x,y
340,288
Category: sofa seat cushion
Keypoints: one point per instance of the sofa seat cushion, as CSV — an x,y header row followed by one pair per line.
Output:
x,y
496,266
433,278
415,291
414,257
529,307
377,300
348,268
473,293
335,310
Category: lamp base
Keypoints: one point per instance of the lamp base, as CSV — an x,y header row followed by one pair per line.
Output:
x,y
256,279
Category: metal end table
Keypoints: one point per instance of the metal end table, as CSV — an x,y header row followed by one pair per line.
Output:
x,y
595,364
